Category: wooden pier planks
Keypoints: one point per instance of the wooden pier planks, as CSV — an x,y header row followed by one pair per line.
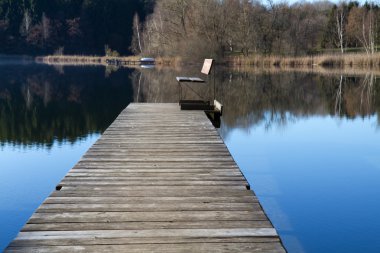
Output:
x,y
158,180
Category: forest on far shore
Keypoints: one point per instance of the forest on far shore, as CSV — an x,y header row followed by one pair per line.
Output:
x,y
244,27
187,28
37,27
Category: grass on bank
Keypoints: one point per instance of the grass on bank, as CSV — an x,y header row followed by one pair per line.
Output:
x,y
350,60
358,60
99,60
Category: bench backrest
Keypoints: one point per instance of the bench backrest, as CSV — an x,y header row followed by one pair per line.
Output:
x,y
206,69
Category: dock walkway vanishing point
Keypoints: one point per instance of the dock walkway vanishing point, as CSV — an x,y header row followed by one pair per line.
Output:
x,y
158,180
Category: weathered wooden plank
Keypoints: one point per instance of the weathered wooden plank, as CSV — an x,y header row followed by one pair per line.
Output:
x,y
162,200
152,132
160,164
165,148
144,175
142,146
169,248
169,216
154,207
156,136
99,182
141,240
233,189
159,154
159,136
125,178
157,159
194,150
220,232
158,171
101,192
145,225
148,142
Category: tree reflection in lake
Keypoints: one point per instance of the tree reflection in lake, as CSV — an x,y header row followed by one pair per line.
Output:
x,y
39,104
252,98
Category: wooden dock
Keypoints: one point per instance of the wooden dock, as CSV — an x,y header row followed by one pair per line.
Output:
x,y
158,180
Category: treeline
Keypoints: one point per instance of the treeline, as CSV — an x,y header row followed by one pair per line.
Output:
x,y
199,28
69,26
187,28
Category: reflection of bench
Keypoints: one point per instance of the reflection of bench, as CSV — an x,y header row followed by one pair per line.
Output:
x,y
206,69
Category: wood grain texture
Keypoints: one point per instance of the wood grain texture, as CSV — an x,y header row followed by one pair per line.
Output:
x,y
158,180
273,247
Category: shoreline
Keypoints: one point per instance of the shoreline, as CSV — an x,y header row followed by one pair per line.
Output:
x,y
340,61
357,61
98,60
333,71
79,59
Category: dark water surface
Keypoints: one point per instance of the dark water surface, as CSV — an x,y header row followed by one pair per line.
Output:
x,y
308,143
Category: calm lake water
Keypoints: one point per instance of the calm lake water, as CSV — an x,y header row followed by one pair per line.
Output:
x,y
308,143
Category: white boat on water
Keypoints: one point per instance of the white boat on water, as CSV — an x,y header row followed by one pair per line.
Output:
x,y
147,59
147,62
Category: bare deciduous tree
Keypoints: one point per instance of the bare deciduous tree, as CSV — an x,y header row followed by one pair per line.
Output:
x,y
340,23
45,22
136,37
362,28
200,28
26,23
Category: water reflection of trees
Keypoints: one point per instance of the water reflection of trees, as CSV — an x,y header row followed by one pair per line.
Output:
x,y
276,98
271,98
39,105
155,85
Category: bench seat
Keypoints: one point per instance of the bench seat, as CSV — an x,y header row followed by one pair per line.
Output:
x,y
189,79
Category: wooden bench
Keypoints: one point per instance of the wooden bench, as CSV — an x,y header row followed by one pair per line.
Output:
x,y
208,106
206,69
